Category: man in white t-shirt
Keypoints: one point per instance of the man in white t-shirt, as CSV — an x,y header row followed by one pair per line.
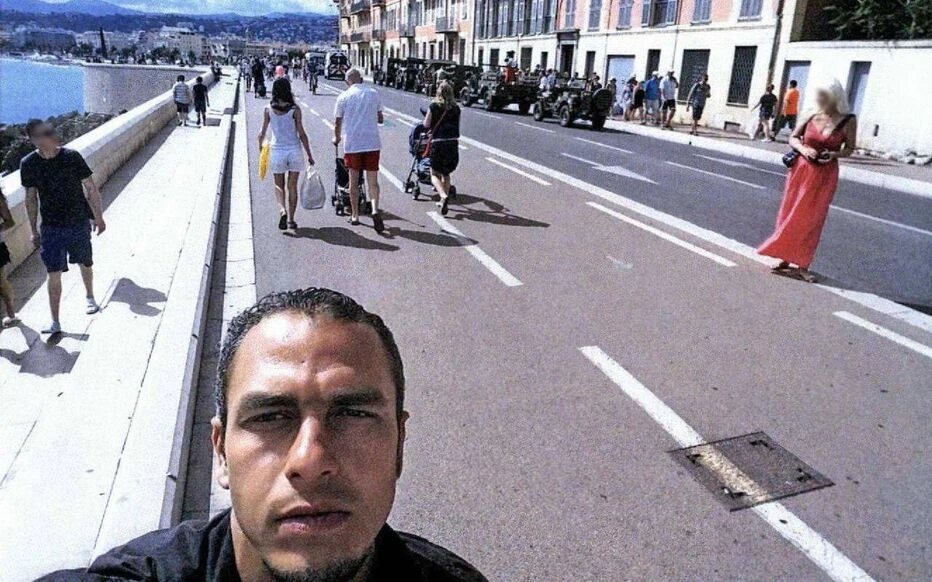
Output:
x,y
358,114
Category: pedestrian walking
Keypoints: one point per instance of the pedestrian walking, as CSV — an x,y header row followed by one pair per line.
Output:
x,y
183,98
767,103
443,121
668,88
613,89
358,114
790,107
6,290
201,100
60,188
288,138
637,104
698,94
652,99
829,134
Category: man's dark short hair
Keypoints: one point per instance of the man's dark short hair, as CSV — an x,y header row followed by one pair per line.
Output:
x,y
793,83
180,78
200,79
31,126
312,302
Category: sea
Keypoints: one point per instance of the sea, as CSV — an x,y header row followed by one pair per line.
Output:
x,y
34,89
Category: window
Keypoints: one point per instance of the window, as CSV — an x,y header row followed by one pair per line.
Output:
x,y
543,60
624,13
646,9
653,62
666,12
742,71
857,84
595,14
590,63
527,54
493,57
481,55
569,17
702,11
751,8
695,63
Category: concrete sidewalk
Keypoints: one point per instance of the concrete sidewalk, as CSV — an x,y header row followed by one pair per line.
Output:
x,y
910,179
88,426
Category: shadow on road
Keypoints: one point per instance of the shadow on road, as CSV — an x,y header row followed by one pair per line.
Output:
x,y
462,208
42,358
343,237
138,298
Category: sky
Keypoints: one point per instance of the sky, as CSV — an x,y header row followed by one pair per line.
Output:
x,y
251,7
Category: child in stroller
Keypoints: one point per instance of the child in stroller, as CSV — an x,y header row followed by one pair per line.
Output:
x,y
341,196
420,165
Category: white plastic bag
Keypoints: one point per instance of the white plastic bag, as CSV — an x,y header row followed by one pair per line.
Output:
x,y
312,193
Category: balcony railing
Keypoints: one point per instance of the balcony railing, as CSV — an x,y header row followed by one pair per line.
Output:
x,y
378,34
446,24
360,6
378,2
406,30
344,39
361,36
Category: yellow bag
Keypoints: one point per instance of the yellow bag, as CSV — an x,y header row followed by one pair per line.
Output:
x,y
263,160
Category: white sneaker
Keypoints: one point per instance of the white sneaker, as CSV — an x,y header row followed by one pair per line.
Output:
x,y
9,321
92,306
52,328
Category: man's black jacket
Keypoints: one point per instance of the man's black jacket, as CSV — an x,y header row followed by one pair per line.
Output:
x,y
203,550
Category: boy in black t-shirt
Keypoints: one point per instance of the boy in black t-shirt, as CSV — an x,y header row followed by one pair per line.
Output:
x,y
767,104
60,189
201,100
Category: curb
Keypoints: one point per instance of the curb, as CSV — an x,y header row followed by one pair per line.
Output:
x,y
861,176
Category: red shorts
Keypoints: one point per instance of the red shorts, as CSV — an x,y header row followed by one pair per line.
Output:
x,y
368,161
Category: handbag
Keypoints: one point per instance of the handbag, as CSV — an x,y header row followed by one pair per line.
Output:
x,y
790,157
264,160
313,194
430,140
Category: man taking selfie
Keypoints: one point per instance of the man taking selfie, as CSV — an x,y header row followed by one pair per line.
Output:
x,y
310,431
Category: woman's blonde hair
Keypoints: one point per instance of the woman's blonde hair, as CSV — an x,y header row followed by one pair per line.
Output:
x,y
445,97
836,92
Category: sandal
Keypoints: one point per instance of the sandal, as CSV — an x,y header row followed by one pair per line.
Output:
x,y
782,267
283,221
353,221
292,225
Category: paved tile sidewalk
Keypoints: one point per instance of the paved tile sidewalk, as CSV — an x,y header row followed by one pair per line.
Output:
x,y
149,207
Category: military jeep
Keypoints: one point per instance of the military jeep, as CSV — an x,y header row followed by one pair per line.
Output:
x,y
408,74
570,102
496,94
390,74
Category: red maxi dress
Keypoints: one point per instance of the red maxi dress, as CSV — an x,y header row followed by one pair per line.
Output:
x,y
810,187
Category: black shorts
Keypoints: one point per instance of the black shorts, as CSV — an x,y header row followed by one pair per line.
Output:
x,y
182,107
789,121
5,258
697,112
200,106
66,244
444,157
668,105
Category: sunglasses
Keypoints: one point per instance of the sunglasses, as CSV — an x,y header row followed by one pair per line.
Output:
x,y
45,133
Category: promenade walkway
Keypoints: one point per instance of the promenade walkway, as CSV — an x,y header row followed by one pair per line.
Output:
x,y
79,406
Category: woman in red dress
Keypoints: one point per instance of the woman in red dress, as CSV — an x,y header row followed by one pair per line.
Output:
x,y
827,135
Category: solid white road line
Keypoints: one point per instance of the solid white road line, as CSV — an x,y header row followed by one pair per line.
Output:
x,y
870,301
403,121
579,159
327,123
685,167
818,549
392,179
519,172
544,129
883,221
741,165
606,146
665,236
462,147
488,262
886,333
488,114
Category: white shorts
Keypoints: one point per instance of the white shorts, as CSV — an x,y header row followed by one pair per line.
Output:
x,y
282,161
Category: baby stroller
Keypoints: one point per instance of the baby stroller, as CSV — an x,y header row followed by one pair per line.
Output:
x,y
420,165
341,196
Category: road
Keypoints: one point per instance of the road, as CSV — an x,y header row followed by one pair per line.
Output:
x,y
582,311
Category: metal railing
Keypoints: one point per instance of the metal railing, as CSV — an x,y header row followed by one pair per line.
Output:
x,y
344,39
405,30
360,36
446,24
378,34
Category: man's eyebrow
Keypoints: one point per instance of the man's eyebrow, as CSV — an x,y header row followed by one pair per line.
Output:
x,y
359,397
256,401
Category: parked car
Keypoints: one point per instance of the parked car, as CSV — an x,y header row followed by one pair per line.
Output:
x,y
569,102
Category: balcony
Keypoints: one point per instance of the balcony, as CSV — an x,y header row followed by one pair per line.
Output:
x,y
361,36
446,24
406,30
360,6
378,2
344,39
378,34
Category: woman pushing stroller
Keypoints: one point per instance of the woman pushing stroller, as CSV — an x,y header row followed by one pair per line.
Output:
x,y
443,121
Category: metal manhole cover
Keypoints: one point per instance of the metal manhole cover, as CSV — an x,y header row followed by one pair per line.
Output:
x,y
748,470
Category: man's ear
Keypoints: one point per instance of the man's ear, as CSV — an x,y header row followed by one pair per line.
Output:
x,y
216,437
402,435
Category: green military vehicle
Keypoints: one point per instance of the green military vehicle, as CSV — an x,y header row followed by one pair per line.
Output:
x,y
497,94
569,102
388,76
408,74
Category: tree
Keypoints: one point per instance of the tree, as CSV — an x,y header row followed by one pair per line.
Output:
x,y
192,57
881,19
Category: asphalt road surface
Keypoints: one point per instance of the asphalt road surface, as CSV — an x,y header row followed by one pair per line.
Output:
x,y
584,310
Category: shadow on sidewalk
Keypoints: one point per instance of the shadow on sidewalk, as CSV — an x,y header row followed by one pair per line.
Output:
x,y
45,358
138,298
343,237
494,213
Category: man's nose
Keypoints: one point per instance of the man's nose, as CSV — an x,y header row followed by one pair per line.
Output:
x,y
311,455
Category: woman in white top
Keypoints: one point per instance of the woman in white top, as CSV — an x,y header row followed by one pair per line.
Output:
x,y
182,96
288,137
